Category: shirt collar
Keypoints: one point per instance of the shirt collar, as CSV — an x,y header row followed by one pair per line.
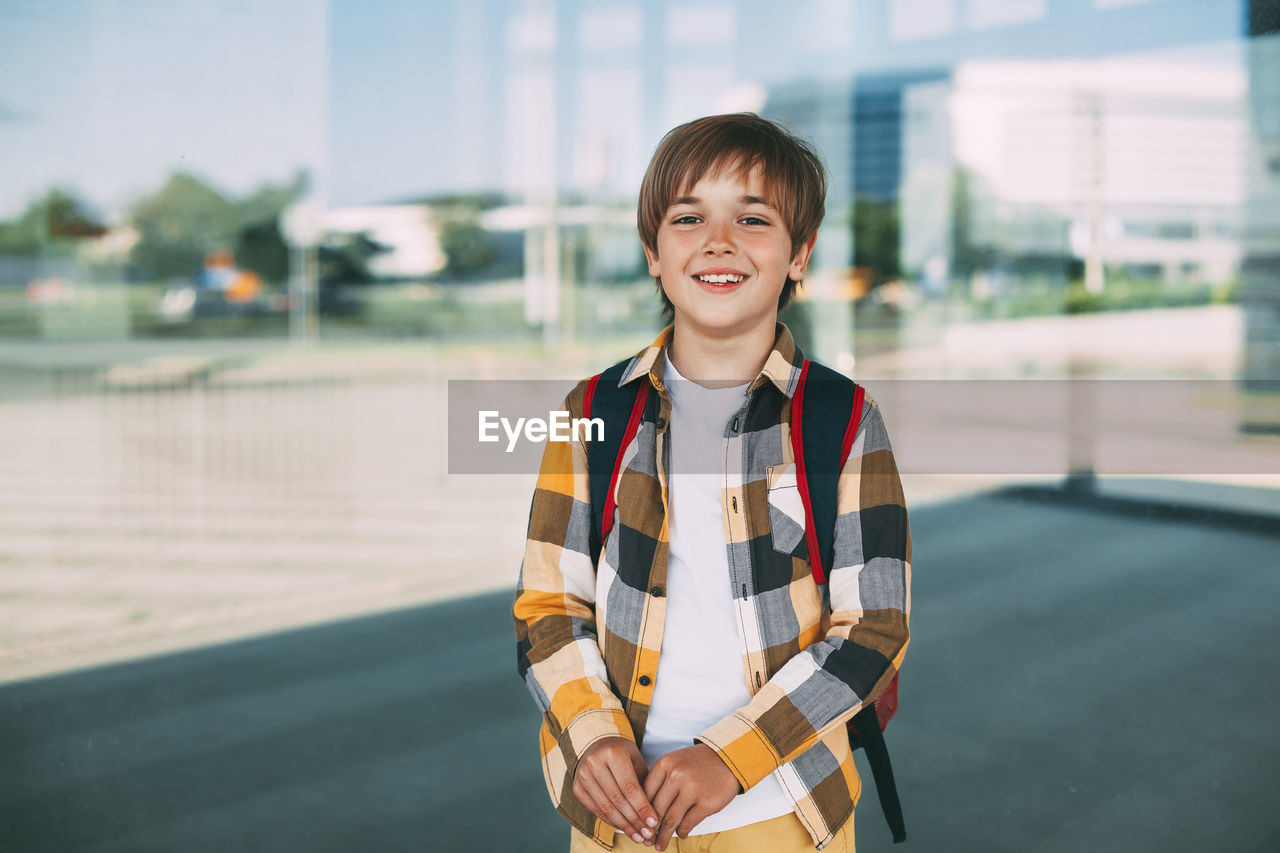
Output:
x,y
782,367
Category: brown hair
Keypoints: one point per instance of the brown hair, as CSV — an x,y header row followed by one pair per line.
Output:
x,y
793,172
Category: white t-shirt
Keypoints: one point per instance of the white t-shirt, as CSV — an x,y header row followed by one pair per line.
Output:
x,y
700,677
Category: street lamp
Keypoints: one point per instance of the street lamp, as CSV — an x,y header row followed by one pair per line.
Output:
x,y
302,225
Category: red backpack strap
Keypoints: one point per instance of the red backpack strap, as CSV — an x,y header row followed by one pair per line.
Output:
x,y
621,409
633,426
802,478
818,463
855,420
590,395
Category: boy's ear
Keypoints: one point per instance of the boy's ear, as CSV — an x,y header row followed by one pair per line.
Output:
x,y
801,261
655,268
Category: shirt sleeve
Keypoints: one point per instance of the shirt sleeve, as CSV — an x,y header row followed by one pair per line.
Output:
x,y
557,650
869,587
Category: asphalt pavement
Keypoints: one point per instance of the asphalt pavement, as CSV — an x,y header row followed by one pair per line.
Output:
x,y
1084,674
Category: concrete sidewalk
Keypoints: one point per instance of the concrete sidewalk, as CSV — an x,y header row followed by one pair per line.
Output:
x,y
1081,676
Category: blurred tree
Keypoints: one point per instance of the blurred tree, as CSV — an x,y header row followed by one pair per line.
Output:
x,y
876,235
468,248
345,259
69,216
967,256
25,234
259,246
797,318
962,249
179,224
344,270
185,219
56,214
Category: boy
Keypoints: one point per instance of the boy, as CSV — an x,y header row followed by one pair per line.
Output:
x,y
697,680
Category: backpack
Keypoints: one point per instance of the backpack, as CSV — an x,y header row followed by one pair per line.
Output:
x,y
820,443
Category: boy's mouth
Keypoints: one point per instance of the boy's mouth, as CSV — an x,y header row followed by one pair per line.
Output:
x,y
720,278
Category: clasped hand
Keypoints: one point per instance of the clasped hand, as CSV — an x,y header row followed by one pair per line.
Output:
x,y
651,803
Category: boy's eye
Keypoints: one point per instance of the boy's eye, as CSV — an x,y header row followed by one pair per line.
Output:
x,y
754,220
686,219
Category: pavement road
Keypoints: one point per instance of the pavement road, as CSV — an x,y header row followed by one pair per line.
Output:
x,y
1084,675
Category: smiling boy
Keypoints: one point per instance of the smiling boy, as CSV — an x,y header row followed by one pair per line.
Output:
x,y
695,679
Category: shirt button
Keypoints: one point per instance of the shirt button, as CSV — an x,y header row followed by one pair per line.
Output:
x,y
656,592
645,681
661,423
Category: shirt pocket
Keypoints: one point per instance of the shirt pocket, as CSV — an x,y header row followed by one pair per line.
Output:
x,y
786,510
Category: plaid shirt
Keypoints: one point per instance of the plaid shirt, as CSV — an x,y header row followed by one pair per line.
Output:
x,y
588,637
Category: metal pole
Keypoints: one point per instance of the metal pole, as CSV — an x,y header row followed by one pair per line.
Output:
x,y
297,294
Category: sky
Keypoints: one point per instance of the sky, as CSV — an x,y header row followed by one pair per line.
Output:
x,y
393,99
107,97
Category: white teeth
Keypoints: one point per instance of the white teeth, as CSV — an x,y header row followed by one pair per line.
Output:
x,y
720,279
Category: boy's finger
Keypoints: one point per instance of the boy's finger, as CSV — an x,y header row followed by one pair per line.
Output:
x,y
661,792
588,793
639,807
620,792
691,818
671,819
652,784
598,801
648,814
662,801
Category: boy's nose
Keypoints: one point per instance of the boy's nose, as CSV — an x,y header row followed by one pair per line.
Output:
x,y
719,238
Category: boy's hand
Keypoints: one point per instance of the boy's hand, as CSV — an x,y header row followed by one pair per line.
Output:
x,y
608,781
686,786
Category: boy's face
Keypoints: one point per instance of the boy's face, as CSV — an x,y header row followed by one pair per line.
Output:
x,y
724,254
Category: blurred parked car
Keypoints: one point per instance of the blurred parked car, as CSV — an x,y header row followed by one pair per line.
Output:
x,y
220,289
184,301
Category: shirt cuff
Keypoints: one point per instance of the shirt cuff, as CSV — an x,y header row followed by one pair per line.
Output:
x,y
590,726
743,747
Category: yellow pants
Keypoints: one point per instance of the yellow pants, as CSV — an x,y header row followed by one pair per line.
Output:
x,y
784,834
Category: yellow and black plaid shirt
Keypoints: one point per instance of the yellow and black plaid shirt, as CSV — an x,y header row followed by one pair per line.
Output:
x,y
589,636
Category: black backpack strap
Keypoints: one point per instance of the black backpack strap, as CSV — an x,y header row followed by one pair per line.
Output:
x,y
871,739
620,409
826,413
